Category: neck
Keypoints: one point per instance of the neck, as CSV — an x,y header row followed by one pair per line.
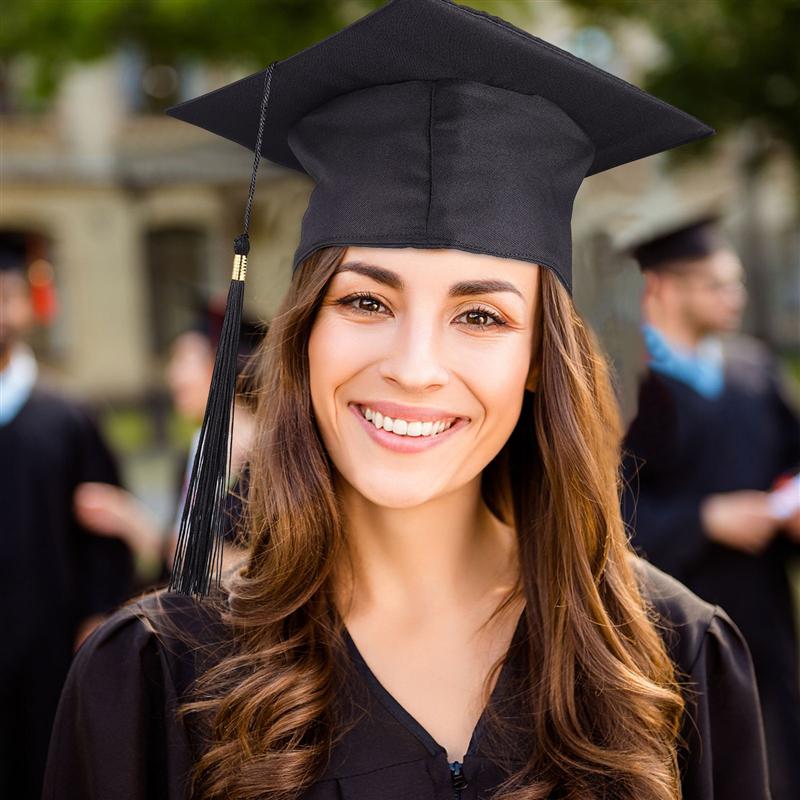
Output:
x,y
448,553
675,331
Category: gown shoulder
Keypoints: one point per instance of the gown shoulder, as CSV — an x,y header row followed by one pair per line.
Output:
x,y
723,752
118,733
117,727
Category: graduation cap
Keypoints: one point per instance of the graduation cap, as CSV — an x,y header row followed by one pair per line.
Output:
x,y
423,124
13,253
686,242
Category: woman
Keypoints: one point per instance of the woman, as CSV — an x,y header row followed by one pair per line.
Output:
x,y
439,599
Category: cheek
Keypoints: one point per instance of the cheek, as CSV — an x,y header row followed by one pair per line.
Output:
x,y
497,379
335,353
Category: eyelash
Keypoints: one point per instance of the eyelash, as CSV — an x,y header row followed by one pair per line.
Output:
x,y
347,301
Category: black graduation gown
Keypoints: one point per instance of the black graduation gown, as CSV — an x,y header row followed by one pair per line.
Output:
x,y
116,734
53,574
682,447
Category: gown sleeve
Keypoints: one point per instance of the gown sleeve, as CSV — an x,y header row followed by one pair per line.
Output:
x,y
105,564
116,735
726,752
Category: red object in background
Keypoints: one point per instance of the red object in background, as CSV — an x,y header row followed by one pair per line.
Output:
x,y
43,291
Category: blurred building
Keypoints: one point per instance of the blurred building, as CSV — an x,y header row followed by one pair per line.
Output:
x,y
136,213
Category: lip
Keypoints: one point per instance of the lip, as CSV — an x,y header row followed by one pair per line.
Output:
x,y
406,444
395,410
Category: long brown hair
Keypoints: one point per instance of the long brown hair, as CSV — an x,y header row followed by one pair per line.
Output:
x,y
600,698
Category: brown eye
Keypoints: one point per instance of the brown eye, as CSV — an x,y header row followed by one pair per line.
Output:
x,y
367,304
482,318
479,317
362,303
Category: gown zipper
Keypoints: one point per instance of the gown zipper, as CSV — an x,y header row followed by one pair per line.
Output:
x,y
457,778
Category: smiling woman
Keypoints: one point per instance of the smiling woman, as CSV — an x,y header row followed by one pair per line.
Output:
x,y
439,599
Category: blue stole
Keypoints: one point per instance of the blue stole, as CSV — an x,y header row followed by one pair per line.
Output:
x,y
16,382
700,369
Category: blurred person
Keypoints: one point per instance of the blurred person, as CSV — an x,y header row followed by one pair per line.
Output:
x,y
112,511
57,581
713,435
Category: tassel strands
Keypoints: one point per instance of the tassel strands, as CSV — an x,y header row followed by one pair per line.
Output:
x,y
198,555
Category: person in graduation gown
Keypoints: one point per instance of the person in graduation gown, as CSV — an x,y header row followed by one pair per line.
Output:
x,y
56,580
439,599
713,433
110,510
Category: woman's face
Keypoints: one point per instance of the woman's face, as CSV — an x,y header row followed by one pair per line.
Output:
x,y
429,338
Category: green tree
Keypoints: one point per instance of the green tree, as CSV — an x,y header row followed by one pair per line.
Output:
x,y
727,61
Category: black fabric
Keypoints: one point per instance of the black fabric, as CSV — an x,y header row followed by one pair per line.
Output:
x,y
53,573
683,447
13,253
117,735
430,124
699,239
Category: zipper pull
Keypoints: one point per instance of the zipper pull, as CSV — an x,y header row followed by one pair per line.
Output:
x,y
457,777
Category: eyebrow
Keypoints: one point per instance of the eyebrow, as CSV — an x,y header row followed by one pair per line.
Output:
x,y
460,289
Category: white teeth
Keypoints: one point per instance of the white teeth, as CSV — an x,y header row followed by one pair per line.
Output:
x,y
403,427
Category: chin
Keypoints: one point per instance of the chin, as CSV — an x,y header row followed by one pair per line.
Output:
x,y
398,491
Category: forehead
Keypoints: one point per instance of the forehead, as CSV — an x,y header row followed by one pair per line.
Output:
x,y
444,266
722,264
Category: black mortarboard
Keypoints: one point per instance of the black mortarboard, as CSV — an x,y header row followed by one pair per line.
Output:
x,y
426,124
13,253
697,239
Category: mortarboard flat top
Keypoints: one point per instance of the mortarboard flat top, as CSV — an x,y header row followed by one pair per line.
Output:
x,y
402,41
517,120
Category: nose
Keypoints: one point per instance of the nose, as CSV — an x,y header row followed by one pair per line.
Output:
x,y
414,361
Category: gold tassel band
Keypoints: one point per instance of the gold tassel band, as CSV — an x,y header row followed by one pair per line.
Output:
x,y
239,267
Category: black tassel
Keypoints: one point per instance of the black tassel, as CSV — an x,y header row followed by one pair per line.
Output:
x,y
198,555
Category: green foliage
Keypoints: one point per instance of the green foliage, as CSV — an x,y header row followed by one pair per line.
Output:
x,y
728,61
248,32
215,30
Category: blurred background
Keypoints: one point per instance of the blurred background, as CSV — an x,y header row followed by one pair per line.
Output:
x,y
118,222
128,215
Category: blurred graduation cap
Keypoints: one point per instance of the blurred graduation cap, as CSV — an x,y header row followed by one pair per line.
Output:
x,y
13,253
423,124
698,238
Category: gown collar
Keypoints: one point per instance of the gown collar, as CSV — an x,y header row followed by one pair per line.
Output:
x,y
16,382
408,721
701,369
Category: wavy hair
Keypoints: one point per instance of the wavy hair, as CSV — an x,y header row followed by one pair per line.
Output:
x,y
599,696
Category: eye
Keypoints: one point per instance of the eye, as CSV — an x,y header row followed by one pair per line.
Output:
x,y
361,303
482,317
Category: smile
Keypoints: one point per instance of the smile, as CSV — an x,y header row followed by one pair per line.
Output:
x,y
405,427
406,435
